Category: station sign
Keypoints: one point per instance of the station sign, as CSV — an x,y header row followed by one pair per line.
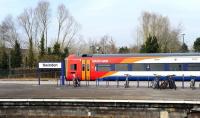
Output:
x,y
49,65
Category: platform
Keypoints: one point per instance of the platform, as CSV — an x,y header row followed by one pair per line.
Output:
x,y
103,91
28,99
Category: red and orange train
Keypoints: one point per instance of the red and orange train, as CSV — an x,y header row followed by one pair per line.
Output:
x,y
137,66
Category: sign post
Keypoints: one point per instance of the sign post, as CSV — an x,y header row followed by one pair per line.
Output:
x,y
62,73
52,65
38,75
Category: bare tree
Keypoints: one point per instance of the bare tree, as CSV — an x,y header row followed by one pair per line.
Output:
x,y
107,45
42,12
26,20
63,14
93,46
36,32
159,26
103,44
112,46
81,46
8,32
67,27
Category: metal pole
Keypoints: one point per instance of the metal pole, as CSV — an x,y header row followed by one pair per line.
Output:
x,y
38,76
117,83
106,83
58,80
183,81
9,61
62,73
97,81
183,38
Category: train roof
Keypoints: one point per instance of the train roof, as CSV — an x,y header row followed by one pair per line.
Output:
x,y
141,54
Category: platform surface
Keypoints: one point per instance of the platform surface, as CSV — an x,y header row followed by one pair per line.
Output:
x,y
30,90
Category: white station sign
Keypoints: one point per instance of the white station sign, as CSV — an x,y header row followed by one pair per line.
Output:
x,y
50,65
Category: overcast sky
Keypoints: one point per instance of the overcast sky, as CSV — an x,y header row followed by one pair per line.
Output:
x,y
118,18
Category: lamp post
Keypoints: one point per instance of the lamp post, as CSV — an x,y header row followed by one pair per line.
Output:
x,y
183,37
9,64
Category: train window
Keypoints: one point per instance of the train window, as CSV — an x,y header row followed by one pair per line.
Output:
x,y
73,66
103,67
88,67
138,67
156,67
121,67
175,67
193,67
83,67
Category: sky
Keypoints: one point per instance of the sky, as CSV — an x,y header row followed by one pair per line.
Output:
x,y
117,18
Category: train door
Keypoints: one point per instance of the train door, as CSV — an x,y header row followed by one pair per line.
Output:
x,y
85,69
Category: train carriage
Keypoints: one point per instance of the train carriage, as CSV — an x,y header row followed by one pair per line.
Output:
x,y
143,67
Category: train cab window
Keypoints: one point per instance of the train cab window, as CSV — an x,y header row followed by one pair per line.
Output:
x,y
103,67
121,67
88,67
175,67
83,67
73,67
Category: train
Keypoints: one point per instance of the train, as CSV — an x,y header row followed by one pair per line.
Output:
x,y
135,67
